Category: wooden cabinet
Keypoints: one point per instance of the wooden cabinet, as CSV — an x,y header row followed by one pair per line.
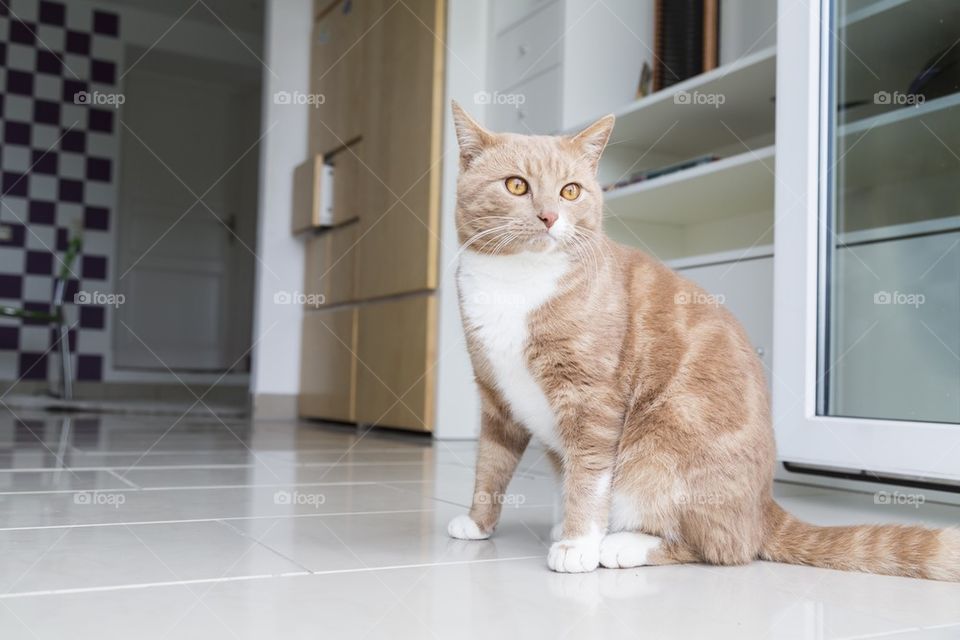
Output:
x,y
337,73
396,354
402,136
379,67
330,273
328,368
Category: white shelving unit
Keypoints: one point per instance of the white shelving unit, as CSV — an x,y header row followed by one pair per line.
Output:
x,y
663,121
739,184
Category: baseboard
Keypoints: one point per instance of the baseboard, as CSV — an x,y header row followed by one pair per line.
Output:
x,y
274,406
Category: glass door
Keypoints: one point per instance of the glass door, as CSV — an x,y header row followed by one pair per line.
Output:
x,y
890,250
867,251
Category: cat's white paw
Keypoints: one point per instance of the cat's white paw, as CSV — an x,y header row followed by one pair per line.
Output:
x,y
463,528
575,555
556,532
627,549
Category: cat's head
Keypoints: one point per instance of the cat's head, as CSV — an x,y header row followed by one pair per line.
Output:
x,y
528,193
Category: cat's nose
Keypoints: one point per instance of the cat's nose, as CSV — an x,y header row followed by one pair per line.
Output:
x,y
548,218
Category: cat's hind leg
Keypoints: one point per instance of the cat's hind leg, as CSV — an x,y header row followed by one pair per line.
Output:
x,y
625,549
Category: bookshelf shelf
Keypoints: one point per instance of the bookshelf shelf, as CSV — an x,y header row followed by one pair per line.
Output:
x,y
684,129
724,188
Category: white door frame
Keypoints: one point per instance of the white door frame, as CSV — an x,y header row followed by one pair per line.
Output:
x,y
882,446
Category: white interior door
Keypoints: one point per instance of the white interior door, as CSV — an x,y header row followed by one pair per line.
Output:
x,y
867,249
187,213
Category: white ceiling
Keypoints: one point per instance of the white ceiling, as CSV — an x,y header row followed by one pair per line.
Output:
x,y
240,15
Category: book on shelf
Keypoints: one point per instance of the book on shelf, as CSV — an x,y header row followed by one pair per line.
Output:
x,y
686,40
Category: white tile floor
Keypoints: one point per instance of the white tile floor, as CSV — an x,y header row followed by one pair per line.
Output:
x,y
122,527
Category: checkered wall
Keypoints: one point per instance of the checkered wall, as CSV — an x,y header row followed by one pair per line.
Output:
x,y
58,174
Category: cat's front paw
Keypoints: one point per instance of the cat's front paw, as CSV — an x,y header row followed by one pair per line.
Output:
x,y
575,555
464,528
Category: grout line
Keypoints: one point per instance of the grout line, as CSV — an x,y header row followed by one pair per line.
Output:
x,y
122,479
291,516
212,487
262,576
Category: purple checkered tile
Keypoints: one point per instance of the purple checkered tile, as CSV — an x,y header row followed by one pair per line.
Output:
x,y
46,112
96,218
73,140
16,133
89,367
9,338
100,120
49,62
94,267
78,42
23,32
98,169
32,366
92,317
44,162
3,54
39,263
11,286
52,13
19,82
41,212
106,23
70,190
103,72
14,184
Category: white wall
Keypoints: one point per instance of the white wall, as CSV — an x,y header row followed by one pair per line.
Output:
x,y
276,331
458,405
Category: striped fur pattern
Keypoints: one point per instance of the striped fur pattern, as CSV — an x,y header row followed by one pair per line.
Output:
x,y
646,392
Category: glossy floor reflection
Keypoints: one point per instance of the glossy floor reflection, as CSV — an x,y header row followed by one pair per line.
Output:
x,y
118,526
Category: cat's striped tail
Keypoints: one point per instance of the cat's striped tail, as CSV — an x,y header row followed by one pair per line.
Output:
x,y
893,550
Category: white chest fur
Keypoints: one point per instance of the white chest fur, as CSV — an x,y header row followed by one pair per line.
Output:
x,y
498,294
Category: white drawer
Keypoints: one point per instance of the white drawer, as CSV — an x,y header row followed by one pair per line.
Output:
x,y
508,12
529,48
531,107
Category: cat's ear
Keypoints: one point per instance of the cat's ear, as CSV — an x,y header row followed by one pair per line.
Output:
x,y
593,139
470,135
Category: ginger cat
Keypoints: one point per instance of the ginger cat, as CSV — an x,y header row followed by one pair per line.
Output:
x,y
649,397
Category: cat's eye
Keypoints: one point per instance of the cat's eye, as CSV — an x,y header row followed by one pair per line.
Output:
x,y
516,186
570,191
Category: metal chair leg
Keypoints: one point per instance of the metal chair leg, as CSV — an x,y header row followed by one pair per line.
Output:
x,y
66,370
